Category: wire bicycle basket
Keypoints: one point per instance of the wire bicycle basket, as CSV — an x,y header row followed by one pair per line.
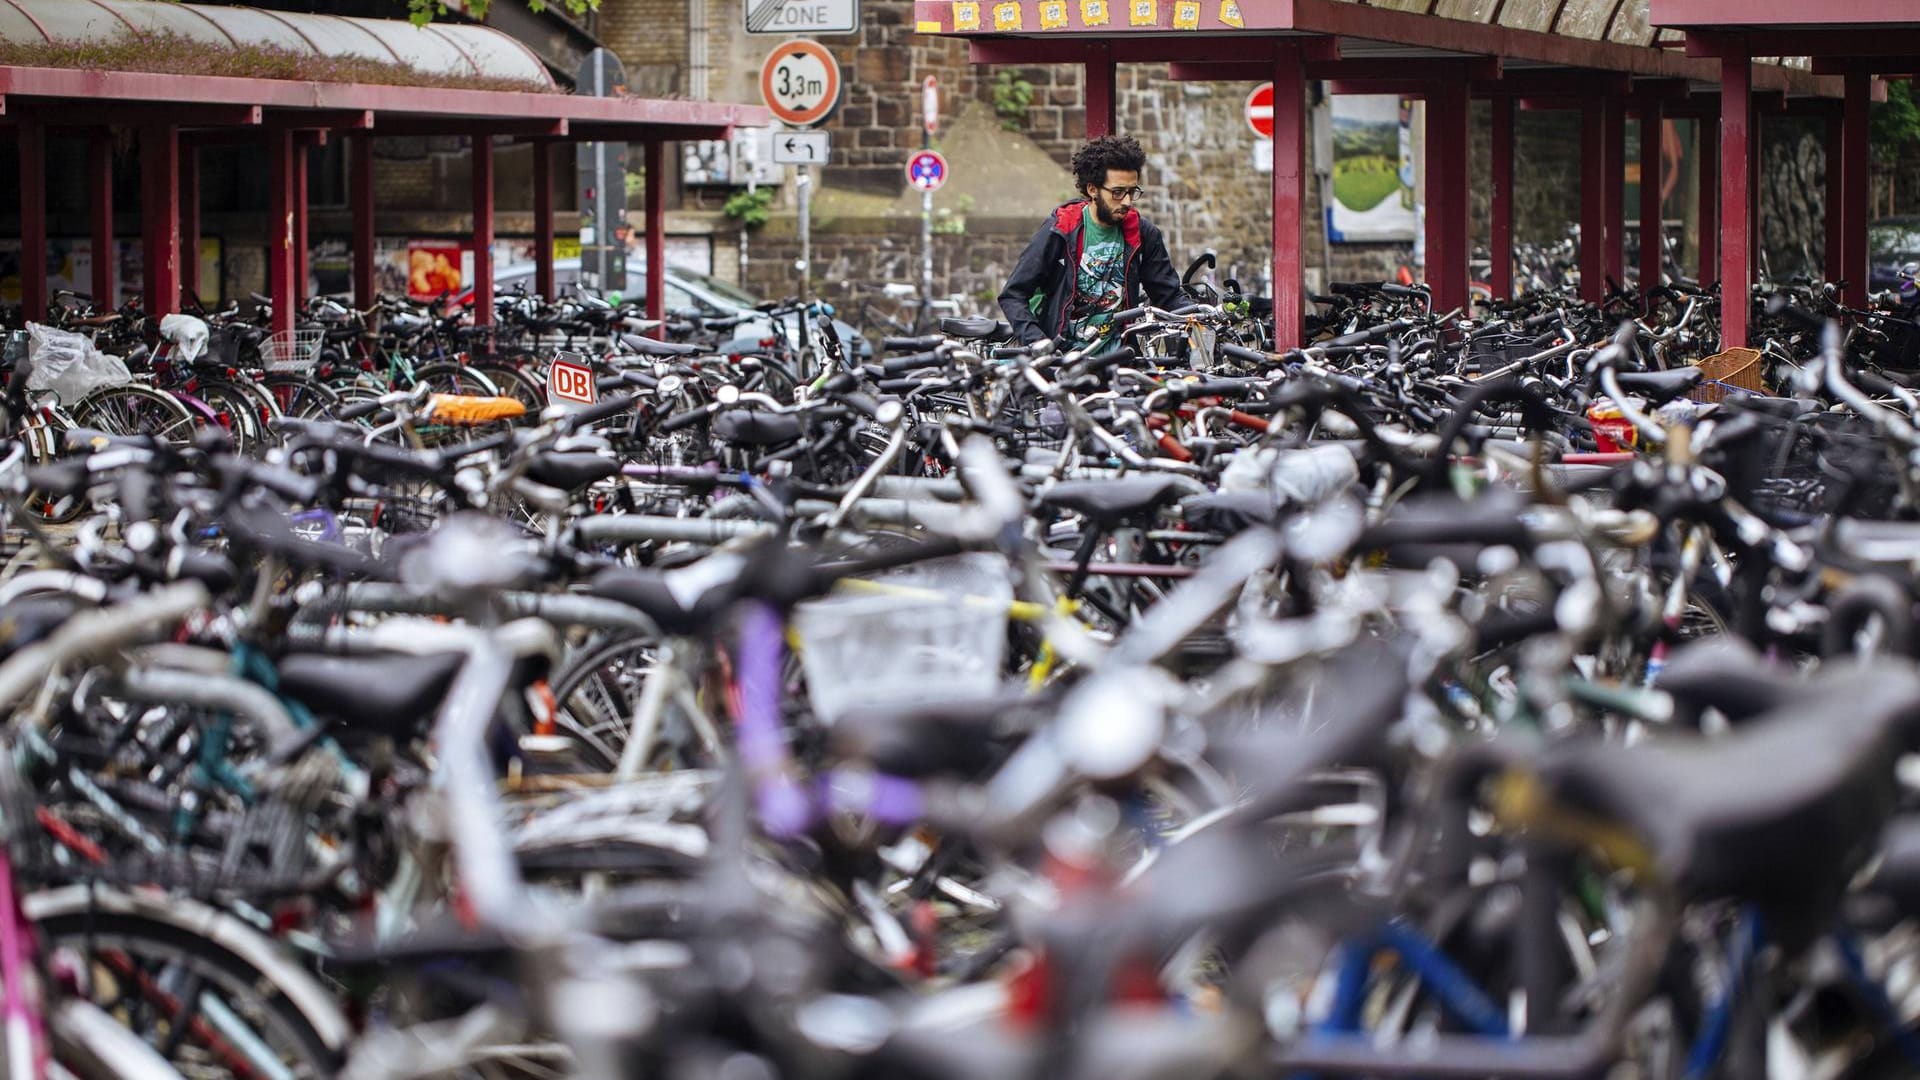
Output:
x,y
292,351
935,631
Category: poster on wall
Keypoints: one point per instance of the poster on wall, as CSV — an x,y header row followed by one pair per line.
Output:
x,y
435,267
1373,194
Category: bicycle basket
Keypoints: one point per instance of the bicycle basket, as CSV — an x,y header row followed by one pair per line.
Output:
x,y
936,631
292,351
1732,370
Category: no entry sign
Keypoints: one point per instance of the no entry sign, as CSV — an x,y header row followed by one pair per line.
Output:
x,y
1259,111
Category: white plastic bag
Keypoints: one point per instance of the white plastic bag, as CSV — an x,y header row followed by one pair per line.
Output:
x,y
67,365
1302,477
188,334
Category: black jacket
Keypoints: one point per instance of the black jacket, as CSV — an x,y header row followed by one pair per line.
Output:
x,y
1051,267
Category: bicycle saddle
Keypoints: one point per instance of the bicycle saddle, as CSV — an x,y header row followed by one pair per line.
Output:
x,y
390,694
748,427
976,329
647,346
570,470
1660,387
679,601
1727,674
1109,502
1780,813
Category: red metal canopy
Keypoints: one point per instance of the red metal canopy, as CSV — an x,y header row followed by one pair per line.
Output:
x,y
276,111
1856,40
1607,64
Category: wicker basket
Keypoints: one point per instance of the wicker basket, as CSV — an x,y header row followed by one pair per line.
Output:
x,y
1734,369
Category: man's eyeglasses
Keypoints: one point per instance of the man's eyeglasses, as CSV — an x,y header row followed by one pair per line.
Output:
x,y
1124,194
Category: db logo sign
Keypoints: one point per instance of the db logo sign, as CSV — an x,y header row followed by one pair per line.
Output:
x,y
571,383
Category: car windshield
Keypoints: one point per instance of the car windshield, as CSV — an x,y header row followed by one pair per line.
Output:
x,y
721,289
1895,242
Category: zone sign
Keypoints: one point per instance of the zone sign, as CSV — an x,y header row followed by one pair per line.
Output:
x,y
570,383
800,82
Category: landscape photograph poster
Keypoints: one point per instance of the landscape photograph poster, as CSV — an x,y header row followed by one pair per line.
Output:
x,y
1373,194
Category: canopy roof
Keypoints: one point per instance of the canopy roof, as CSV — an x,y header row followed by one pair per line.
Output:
x,y
456,49
1597,35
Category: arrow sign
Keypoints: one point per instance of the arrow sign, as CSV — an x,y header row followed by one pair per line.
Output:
x,y
801,148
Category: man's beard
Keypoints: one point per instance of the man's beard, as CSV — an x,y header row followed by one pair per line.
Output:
x,y
1105,216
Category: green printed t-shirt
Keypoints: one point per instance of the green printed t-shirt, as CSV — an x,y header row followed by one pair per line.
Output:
x,y
1102,278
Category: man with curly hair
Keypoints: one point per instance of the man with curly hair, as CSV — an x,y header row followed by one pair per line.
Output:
x,y
1094,256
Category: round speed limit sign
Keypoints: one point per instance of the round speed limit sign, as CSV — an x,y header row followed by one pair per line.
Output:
x,y
800,82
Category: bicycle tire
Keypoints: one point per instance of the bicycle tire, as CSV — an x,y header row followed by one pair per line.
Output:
x,y
290,1013
515,383
136,409
300,397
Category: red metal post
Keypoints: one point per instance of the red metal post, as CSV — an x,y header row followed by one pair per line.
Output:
x,y
300,252
1706,152
483,230
1448,179
1500,225
280,288
1100,92
1856,178
360,196
1613,181
1289,195
1652,231
656,230
1736,212
190,222
160,217
543,219
1835,261
1593,208
32,137
100,183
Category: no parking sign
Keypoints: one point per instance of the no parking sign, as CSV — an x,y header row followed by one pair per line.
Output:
x,y
927,170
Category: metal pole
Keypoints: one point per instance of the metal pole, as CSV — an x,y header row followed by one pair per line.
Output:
x,y
926,262
805,265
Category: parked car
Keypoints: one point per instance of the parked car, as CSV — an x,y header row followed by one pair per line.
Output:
x,y
1892,242
686,290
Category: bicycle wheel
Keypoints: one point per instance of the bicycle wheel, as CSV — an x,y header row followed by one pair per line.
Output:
x,y
135,409
240,410
518,384
194,996
598,693
300,397
447,378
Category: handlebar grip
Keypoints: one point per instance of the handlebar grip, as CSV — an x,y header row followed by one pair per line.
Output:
x,y
359,409
1369,335
844,382
682,420
1544,319
894,365
911,344
1394,289
900,386
1251,356
282,482
1227,388
865,404
1089,364
1126,316
1872,383
605,410
1334,352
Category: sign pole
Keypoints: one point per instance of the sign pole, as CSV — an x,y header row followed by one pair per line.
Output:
x,y
805,265
930,112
